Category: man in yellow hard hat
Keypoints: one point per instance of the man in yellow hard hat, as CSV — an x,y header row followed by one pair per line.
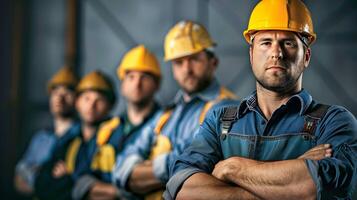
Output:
x,y
278,143
140,76
143,167
61,102
89,155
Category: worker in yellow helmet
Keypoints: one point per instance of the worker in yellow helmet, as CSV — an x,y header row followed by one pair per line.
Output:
x,y
88,156
143,167
61,103
278,143
140,76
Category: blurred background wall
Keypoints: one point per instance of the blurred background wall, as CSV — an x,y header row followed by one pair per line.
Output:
x,y
38,37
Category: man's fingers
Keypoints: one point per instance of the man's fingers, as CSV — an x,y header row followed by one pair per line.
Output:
x,y
317,153
59,169
320,147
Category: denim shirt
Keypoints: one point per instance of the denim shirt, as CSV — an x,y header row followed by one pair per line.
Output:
x,y
280,138
181,127
39,151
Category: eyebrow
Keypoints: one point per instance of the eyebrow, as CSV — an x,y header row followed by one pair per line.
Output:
x,y
269,39
264,39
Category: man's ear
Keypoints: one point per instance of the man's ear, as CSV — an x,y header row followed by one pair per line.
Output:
x,y
215,62
251,54
307,57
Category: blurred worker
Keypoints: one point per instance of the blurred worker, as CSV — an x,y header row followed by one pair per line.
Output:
x,y
88,153
140,76
61,102
143,167
252,150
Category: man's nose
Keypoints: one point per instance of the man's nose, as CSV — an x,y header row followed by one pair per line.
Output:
x,y
187,66
277,52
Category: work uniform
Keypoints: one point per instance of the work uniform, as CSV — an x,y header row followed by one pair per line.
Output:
x,y
285,136
169,133
39,151
88,161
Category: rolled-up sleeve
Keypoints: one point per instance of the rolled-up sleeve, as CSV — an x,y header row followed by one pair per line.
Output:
x,y
175,183
201,156
122,171
160,167
336,177
134,153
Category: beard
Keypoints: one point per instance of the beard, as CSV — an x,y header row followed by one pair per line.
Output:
x,y
93,120
64,112
142,102
199,85
284,83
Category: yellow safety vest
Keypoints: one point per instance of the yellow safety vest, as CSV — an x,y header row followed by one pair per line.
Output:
x,y
104,158
163,143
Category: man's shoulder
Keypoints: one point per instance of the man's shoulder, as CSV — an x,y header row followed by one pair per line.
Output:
x,y
218,110
43,134
340,114
225,103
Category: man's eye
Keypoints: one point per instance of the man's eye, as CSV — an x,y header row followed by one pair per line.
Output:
x,y
177,63
265,43
289,44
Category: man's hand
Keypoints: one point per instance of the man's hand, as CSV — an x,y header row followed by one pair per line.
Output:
x,y
59,169
22,186
101,191
318,153
225,169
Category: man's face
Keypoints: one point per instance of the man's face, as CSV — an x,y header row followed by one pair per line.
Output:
x,y
194,72
62,101
139,87
278,60
92,106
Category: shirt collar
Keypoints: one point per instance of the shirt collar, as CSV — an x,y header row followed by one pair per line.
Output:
x,y
124,117
208,94
301,100
248,103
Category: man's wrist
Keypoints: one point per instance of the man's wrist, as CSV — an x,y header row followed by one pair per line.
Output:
x,y
232,171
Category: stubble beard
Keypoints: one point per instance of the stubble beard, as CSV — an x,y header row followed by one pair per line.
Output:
x,y
199,86
285,83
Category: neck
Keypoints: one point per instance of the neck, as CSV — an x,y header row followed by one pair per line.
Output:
x,y
61,124
188,96
269,101
137,114
88,131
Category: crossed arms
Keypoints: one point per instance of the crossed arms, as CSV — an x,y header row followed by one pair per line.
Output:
x,y
242,178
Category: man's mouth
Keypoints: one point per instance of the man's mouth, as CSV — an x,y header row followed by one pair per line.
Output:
x,y
276,68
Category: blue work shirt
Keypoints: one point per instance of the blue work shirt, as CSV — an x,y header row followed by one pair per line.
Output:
x,y
90,160
182,125
39,151
280,138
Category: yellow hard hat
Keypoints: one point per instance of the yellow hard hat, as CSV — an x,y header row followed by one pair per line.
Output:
x,y
97,81
186,38
65,76
286,15
139,59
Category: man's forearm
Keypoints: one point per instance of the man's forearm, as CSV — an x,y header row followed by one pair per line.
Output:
x,y
101,190
204,186
142,179
288,179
